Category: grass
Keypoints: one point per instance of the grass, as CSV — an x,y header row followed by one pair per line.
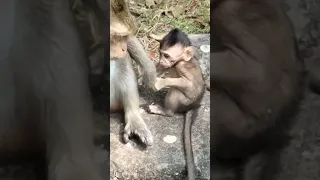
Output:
x,y
159,19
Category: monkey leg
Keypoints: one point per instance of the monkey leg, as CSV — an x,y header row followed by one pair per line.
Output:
x,y
129,96
159,110
170,107
173,101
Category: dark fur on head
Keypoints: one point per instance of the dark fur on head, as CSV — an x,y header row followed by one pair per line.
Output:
x,y
175,36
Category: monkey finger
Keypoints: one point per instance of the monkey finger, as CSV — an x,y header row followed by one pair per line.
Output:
x,y
141,131
146,139
145,136
126,137
150,83
140,81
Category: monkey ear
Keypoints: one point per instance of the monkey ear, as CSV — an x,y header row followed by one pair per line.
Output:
x,y
188,53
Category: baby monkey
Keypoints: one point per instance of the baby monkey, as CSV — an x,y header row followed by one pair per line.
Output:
x,y
183,76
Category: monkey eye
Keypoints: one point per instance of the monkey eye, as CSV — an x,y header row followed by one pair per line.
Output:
x,y
166,55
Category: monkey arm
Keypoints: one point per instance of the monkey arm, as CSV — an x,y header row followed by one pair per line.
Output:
x,y
172,82
139,55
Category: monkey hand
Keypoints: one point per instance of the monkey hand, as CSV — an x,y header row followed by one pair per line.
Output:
x,y
135,125
149,80
160,83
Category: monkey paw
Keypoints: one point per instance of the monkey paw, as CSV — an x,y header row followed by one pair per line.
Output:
x,y
156,109
137,126
150,80
159,84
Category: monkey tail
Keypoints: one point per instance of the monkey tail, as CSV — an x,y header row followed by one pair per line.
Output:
x,y
189,117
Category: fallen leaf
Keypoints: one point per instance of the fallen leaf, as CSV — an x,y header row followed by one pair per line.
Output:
x,y
158,14
158,1
140,2
150,3
177,11
169,15
157,37
200,21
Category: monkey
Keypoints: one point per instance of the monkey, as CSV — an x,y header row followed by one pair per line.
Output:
x,y
181,72
124,47
183,76
123,82
257,79
45,104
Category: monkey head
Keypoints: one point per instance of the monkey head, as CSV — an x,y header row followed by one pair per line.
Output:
x,y
121,26
174,47
171,55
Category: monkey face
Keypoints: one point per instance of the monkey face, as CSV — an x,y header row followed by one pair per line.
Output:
x,y
173,54
118,46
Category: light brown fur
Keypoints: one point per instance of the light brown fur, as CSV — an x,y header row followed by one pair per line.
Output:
x,y
184,80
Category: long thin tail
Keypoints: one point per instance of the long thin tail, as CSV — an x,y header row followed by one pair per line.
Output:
x,y
189,116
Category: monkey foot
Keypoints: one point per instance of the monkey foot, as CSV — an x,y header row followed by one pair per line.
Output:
x,y
156,109
139,128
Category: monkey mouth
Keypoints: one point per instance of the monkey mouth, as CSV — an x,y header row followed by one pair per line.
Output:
x,y
166,66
